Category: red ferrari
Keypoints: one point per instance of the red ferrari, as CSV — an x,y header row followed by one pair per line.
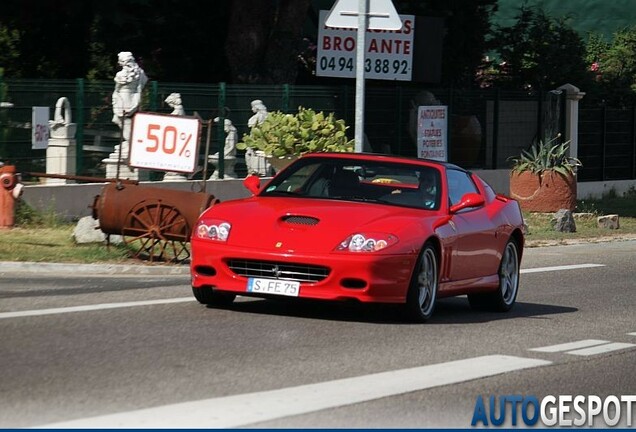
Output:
x,y
365,227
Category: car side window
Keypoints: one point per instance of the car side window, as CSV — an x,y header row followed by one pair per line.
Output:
x,y
459,183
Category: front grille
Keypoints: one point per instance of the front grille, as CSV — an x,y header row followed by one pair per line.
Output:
x,y
301,220
278,270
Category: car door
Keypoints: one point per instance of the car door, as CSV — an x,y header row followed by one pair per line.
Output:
x,y
474,254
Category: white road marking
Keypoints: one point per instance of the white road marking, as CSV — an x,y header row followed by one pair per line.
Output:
x,y
250,408
39,312
558,268
632,334
570,346
601,349
585,347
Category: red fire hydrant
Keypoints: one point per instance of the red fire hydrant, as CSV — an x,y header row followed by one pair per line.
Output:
x,y
10,191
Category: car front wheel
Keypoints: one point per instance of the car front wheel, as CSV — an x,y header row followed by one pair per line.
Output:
x,y
422,294
208,296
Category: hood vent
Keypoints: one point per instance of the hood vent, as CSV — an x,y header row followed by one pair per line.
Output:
x,y
301,220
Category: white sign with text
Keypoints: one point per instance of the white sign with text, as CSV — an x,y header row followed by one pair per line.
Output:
x,y
388,56
40,128
164,142
432,132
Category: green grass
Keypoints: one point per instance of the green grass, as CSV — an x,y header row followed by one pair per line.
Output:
x,y
45,238
540,225
55,244
541,231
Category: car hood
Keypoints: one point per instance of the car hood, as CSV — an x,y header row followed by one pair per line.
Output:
x,y
301,225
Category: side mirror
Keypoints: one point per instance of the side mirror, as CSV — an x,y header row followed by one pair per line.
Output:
x,y
252,183
469,200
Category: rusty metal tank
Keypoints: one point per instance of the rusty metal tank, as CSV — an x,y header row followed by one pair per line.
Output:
x,y
155,222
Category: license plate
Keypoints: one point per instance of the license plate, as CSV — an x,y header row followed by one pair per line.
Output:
x,y
273,286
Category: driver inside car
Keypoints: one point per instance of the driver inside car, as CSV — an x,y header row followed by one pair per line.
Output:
x,y
427,188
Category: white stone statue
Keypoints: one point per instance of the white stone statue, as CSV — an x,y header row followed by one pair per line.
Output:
x,y
129,83
229,151
174,101
260,113
62,149
230,139
255,160
62,126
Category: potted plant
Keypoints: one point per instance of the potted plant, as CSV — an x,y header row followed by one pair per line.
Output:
x,y
543,178
284,137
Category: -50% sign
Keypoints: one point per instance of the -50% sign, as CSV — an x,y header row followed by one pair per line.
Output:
x,y
164,142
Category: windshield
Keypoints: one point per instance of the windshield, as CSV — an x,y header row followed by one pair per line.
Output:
x,y
355,180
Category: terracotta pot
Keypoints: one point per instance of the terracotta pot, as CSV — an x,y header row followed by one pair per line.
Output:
x,y
465,143
548,192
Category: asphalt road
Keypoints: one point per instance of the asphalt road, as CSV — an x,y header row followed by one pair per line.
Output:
x,y
86,350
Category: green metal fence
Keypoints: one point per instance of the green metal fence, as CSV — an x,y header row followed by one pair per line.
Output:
x,y
486,127
607,143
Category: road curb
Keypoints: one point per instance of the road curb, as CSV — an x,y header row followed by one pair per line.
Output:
x,y
104,269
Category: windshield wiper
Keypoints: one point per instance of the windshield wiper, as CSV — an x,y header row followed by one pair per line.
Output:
x,y
281,193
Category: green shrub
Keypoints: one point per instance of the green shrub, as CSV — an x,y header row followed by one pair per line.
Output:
x,y
27,216
307,131
546,156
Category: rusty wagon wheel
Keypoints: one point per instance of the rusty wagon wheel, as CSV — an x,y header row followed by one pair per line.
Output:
x,y
156,231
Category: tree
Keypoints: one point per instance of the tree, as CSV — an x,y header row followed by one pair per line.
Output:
x,y
465,39
538,51
239,41
173,40
48,38
264,40
614,66
9,53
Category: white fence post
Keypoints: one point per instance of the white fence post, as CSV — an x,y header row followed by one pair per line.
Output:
x,y
572,97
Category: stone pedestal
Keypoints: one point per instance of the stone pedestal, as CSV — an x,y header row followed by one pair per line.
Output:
x,y
61,153
573,96
174,176
62,149
125,172
228,165
257,163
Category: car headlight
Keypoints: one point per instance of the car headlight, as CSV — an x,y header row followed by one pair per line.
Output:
x,y
217,230
367,242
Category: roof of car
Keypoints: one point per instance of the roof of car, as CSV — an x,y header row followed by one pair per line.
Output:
x,y
382,156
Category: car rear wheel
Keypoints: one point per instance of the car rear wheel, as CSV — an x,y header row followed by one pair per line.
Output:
x,y
422,294
505,296
208,296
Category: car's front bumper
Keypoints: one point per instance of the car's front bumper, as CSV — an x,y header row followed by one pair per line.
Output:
x,y
366,277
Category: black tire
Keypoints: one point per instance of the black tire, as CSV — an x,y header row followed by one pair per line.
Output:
x,y
503,299
422,294
208,296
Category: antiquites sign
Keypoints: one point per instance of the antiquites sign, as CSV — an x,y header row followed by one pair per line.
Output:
x,y
432,132
388,56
